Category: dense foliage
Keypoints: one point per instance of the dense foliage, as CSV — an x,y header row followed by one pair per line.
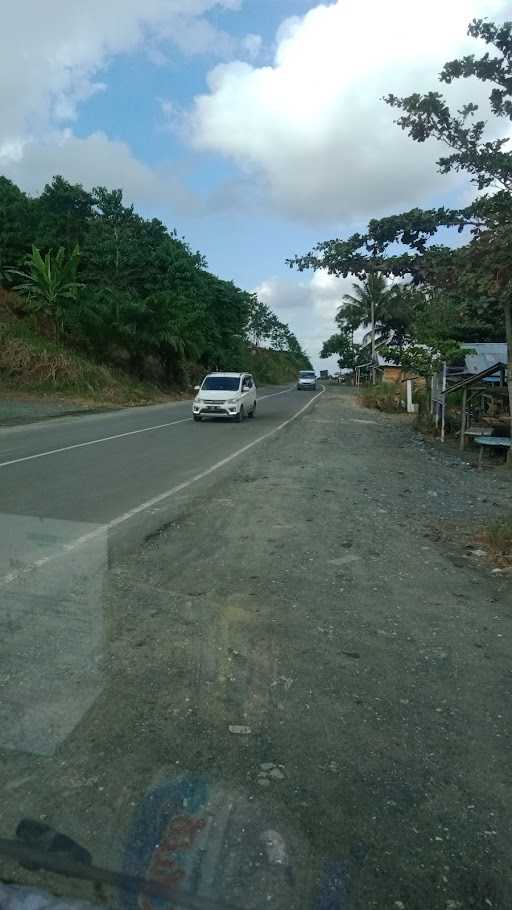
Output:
x,y
124,289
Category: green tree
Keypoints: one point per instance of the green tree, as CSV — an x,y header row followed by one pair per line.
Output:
x,y
478,276
365,306
261,321
49,284
174,326
488,162
16,226
145,295
105,321
226,321
342,346
62,212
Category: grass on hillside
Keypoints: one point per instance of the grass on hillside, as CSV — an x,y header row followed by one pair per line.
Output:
x,y
32,363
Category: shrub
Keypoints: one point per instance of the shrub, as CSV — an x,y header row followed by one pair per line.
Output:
x,y
385,396
498,538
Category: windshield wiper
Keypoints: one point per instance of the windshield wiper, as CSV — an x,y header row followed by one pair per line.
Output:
x,y
38,846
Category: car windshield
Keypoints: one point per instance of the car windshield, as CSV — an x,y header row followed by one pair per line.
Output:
x,y
255,626
221,384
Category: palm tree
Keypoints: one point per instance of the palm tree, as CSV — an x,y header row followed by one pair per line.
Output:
x,y
365,306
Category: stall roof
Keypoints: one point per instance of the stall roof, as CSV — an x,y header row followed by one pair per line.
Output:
x,y
478,377
486,355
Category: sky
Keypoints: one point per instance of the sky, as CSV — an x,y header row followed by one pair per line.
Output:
x,y
256,128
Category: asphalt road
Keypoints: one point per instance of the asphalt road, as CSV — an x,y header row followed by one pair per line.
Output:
x,y
97,468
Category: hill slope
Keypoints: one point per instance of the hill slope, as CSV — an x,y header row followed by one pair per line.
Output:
x,y
33,364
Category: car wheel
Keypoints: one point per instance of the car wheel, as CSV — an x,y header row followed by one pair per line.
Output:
x,y
240,416
252,411
197,418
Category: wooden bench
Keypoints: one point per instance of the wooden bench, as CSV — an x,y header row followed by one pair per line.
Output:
x,y
497,441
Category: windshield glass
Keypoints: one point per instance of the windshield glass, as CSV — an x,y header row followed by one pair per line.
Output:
x,y
221,384
256,626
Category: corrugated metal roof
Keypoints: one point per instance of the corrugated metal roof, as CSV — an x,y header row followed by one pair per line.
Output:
x,y
487,354
385,363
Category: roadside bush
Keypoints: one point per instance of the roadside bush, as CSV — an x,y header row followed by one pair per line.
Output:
x,y
384,396
423,422
498,538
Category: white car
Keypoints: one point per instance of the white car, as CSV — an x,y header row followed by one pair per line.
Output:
x,y
225,395
306,380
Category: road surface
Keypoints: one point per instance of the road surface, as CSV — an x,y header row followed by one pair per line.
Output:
x,y
119,475
95,468
297,695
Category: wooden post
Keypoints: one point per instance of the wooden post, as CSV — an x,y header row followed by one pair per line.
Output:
x,y
443,400
372,307
507,306
463,419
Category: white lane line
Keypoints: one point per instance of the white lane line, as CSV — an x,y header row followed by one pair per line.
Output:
x,y
273,394
150,503
93,442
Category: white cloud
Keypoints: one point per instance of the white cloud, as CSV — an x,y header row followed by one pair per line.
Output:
x,y
313,127
94,161
309,307
252,45
50,57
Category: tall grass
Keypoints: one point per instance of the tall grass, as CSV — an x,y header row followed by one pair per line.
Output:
x,y
498,539
30,362
385,396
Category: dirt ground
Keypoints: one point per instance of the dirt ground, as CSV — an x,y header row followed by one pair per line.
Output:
x,y
311,651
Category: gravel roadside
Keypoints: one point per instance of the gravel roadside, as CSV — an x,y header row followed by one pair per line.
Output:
x,y
313,640
15,411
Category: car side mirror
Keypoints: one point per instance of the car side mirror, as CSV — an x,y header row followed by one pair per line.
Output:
x,y
246,388
197,388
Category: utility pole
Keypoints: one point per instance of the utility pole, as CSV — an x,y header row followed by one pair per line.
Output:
x,y
372,317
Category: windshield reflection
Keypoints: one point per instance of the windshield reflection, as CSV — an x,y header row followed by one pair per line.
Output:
x,y
51,629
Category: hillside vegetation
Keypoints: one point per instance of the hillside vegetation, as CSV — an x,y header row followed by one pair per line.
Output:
x,y
31,363
97,301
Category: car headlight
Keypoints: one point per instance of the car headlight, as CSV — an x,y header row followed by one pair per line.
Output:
x,y
232,401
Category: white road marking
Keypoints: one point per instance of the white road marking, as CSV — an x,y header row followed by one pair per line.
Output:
x,y
92,442
95,442
273,394
151,503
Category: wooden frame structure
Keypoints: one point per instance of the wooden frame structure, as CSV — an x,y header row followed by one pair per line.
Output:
x,y
474,387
